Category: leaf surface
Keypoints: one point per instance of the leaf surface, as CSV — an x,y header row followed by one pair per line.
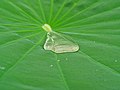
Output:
x,y
93,24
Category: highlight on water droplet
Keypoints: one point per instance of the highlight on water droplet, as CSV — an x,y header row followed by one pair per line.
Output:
x,y
57,42
2,68
51,65
58,60
116,60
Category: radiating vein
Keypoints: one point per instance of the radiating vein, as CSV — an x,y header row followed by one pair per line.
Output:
x,y
33,11
74,22
59,11
14,16
101,64
22,58
41,8
75,4
89,34
51,10
18,24
16,31
82,11
17,7
14,19
105,44
61,73
91,24
13,41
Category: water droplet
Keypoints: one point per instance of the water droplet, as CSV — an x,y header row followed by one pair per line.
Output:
x,y
66,59
58,60
116,60
59,44
51,65
96,70
2,67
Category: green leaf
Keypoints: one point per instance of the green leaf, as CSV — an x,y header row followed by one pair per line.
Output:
x,y
93,24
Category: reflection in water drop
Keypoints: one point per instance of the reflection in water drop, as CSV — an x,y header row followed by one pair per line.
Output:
x,y
2,68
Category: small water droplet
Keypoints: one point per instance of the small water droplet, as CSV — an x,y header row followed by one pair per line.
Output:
x,y
58,60
51,65
66,59
96,70
116,61
2,67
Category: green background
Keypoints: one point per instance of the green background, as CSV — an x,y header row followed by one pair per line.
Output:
x,y
93,24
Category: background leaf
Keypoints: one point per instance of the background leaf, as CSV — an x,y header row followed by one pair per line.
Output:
x,y
93,24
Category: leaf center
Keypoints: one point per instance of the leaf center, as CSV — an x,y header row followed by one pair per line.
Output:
x,y
47,28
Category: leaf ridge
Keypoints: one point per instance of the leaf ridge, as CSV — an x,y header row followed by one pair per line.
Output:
x,y
41,8
90,17
91,6
23,56
14,5
106,67
11,42
62,75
